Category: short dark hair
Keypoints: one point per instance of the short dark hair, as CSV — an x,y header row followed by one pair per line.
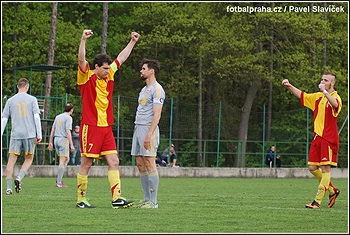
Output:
x,y
151,64
330,73
22,82
102,58
68,107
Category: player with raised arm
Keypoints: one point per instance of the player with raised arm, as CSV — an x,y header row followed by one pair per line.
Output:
x,y
97,140
326,105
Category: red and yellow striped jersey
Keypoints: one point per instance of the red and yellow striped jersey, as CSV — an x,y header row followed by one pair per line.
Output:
x,y
97,106
325,116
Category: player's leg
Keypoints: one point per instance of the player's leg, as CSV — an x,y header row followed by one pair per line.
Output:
x,y
136,150
153,176
82,182
29,148
334,192
314,163
141,166
62,148
324,183
108,150
9,171
88,152
14,152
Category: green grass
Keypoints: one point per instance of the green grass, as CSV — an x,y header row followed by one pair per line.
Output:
x,y
186,205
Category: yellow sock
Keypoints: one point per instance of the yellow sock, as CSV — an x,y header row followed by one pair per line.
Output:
x,y
323,186
318,174
82,186
114,182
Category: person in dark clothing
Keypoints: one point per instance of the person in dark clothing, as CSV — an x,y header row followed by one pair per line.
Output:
x,y
270,157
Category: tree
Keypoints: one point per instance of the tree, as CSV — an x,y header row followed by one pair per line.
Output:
x,y
48,80
104,27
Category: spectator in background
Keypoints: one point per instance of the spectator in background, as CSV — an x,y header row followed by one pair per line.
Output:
x,y
173,156
76,143
160,161
270,157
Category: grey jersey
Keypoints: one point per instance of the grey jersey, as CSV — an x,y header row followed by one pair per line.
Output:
x,y
152,95
62,122
21,108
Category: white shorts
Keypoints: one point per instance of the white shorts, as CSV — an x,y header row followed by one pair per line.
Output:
x,y
28,146
140,133
61,146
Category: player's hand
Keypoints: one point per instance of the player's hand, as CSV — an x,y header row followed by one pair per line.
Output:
x,y
147,144
322,86
50,146
38,140
285,82
135,36
86,34
72,149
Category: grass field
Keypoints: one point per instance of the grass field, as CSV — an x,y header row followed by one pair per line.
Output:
x,y
186,205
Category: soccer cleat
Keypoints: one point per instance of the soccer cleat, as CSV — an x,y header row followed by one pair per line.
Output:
x,y
84,204
149,205
62,185
313,205
8,191
333,197
17,185
121,203
139,204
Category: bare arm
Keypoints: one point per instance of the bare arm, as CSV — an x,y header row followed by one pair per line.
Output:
x,y
124,54
292,88
331,99
81,53
69,136
51,139
157,110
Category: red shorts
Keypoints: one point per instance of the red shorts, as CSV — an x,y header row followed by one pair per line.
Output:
x,y
322,152
97,141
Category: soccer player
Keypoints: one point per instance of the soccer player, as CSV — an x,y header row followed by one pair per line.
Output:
x,y
145,140
323,154
96,87
61,137
25,132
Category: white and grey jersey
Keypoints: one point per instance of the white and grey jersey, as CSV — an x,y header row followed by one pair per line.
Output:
x,y
62,122
21,108
151,95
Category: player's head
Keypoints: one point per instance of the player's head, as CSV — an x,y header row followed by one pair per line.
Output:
x,y
330,73
329,79
23,84
149,67
101,65
101,59
68,107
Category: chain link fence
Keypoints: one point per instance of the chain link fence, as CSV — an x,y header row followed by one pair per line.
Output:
x,y
291,133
